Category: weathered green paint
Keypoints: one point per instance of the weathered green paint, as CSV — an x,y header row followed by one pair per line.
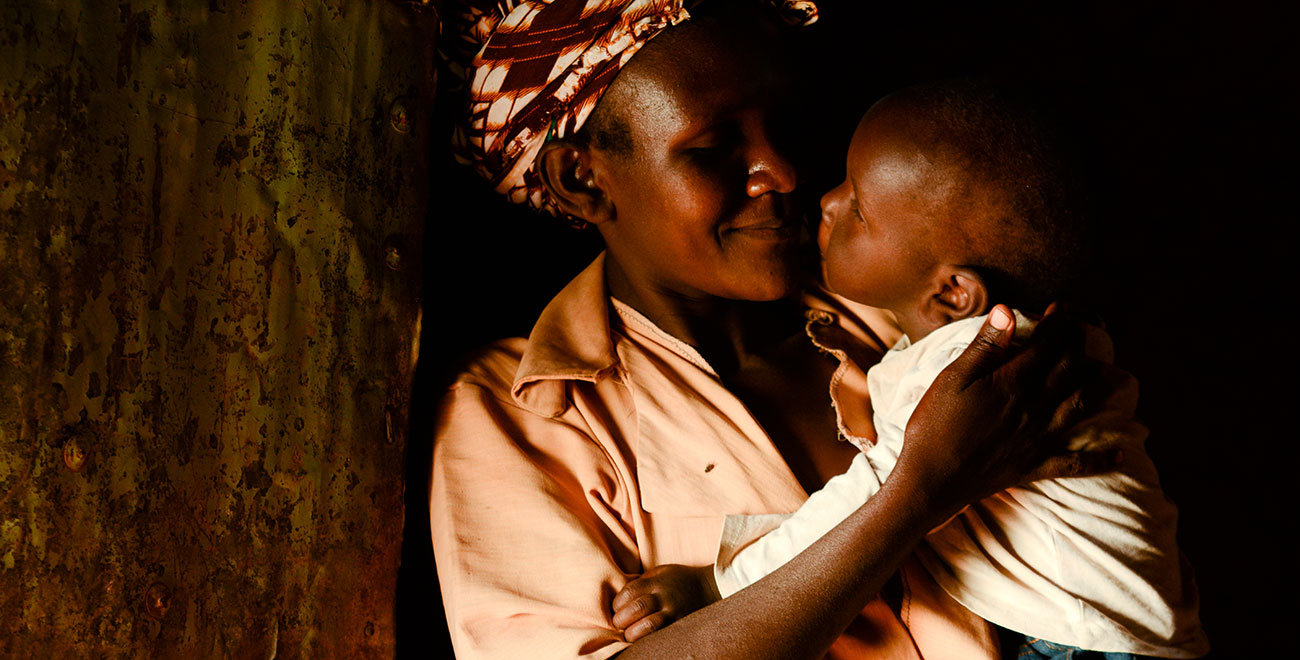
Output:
x,y
210,217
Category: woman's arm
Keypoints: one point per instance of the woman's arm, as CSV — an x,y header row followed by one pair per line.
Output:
x,y
800,609
989,422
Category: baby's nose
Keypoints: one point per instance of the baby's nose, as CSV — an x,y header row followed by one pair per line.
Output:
x,y
833,201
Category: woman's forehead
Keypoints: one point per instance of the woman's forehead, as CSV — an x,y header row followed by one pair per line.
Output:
x,y
714,65
739,40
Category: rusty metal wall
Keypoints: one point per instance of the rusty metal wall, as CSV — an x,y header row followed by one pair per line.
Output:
x,y
210,220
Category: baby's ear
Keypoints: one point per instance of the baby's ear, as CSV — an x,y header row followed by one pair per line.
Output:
x,y
567,172
955,293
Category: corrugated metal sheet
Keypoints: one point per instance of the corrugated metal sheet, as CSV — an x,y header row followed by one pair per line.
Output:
x,y
210,219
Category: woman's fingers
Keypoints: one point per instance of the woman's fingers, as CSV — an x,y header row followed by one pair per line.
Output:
x,y
1079,390
998,416
1078,464
985,353
1056,352
1101,392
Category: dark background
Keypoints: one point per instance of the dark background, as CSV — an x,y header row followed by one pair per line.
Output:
x,y
1187,108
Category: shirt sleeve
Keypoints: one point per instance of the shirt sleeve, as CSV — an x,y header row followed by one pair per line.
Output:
x,y
528,539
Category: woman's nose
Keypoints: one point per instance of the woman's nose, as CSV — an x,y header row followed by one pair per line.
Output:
x,y
832,207
770,170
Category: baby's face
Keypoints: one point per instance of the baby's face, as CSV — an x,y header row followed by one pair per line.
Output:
x,y
881,234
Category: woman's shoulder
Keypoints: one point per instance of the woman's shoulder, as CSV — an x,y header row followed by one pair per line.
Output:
x,y
479,394
492,366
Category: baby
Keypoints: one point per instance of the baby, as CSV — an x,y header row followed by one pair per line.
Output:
x,y
954,200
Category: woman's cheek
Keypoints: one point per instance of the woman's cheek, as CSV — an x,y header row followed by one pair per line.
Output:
x,y
824,234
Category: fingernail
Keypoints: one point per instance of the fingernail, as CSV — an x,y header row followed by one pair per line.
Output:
x,y
1000,318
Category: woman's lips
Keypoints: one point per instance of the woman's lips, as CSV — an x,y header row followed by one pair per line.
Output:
x,y
774,229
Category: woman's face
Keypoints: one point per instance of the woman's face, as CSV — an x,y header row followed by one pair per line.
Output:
x,y
704,203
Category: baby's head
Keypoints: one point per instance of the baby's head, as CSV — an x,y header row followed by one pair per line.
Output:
x,y
955,199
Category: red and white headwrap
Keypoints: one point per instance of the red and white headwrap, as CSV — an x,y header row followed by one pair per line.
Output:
x,y
543,66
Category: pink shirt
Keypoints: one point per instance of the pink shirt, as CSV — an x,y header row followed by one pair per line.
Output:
x,y
568,463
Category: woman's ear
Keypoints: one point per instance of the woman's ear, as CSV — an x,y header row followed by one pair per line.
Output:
x,y
567,173
956,292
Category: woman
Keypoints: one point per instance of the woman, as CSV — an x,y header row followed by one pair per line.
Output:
x,y
672,383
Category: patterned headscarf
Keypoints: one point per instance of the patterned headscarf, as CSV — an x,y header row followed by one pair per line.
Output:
x,y
541,69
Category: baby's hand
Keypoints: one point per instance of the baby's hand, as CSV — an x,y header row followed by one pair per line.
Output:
x,y
661,596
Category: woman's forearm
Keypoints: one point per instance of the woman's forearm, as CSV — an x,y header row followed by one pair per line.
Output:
x,y
842,495
800,609
987,423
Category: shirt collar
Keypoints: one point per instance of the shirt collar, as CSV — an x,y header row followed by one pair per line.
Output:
x,y
570,341
836,323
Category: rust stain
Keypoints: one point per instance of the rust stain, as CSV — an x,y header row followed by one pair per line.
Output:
x,y
207,324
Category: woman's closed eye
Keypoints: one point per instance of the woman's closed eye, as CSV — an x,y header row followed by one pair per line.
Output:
x,y
717,142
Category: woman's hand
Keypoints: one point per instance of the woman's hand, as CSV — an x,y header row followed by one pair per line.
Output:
x,y
996,418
